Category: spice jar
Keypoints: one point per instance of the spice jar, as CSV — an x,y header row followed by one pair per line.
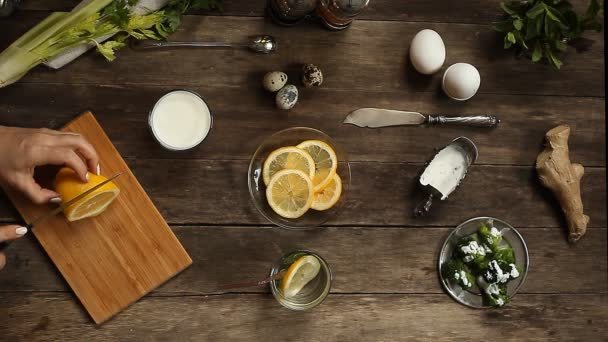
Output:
x,y
7,7
290,12
339,14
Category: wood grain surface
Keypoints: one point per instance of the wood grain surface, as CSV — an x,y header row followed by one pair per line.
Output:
x,y
386,286
111,260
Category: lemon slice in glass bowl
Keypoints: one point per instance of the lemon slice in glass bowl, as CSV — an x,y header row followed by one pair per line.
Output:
x,y
290,193
289,157
329,196
326,162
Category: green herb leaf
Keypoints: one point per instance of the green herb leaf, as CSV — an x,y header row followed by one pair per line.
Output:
x,y
537,54
518,24
108,48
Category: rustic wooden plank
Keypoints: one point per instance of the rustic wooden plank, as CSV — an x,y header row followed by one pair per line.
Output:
x,y
239,126
216,192
31,317
452,11
404,260
370,56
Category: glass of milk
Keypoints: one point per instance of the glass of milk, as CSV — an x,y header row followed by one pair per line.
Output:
x,y
180,120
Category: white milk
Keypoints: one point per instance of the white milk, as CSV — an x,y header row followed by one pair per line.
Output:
x,y
446,170
180,120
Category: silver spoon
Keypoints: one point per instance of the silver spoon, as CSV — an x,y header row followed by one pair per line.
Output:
x,y
261,44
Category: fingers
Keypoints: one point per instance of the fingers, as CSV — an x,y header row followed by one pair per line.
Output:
x,y
63,156
2,260
11,232
34,191
83,147
75,142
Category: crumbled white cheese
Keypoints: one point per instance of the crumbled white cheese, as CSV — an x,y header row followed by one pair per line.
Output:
x,y
465,280
500,302
490,241
500,276
457,275
494,232
468,258
473,248
514,271
489,275
492,289
488,250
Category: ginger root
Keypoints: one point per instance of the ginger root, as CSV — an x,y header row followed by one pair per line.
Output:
x,y
563,178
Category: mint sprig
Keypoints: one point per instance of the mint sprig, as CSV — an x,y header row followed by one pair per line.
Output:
x,y
545,28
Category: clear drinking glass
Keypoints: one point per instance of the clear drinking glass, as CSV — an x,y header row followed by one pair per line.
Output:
x,y
313,293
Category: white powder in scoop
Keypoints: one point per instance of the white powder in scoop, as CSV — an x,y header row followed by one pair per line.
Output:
x,y
180,120
446,170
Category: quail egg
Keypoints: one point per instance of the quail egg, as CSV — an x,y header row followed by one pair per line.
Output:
x,y
274,81
311,76
287,97
427,52
461,81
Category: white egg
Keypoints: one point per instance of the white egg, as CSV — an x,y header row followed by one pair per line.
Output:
x,y
461,81
427,52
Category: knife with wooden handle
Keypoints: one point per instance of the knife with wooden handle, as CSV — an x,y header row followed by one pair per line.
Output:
x,y
374,118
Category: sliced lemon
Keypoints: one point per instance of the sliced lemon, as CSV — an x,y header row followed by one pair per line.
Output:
x,y
299,274
289,157
68,185
290,193
326,162
329,196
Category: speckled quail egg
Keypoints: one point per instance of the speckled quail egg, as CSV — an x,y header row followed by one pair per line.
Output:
x,y
287,97
461,81
311,76
274,81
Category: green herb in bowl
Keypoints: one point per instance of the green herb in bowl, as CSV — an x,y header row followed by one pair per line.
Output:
x,y
483,261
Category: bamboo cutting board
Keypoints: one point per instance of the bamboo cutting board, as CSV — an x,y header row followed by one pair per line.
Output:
x,y
111,260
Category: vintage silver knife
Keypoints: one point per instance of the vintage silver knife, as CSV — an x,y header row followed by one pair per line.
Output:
x,y
59,209
374,117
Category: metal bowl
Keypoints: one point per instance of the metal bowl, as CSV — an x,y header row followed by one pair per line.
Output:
x,y
472,297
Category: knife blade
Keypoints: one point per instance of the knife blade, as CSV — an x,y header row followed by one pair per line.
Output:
x,y
374,118
63,206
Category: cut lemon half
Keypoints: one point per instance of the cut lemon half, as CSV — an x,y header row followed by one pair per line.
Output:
x,y
326,162
290,193
299,274
68,185
289,157
329,196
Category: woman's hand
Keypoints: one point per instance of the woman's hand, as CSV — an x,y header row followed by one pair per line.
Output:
x,y
8,233
22,149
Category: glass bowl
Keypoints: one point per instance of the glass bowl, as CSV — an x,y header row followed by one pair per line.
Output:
x,y
257,188
472,297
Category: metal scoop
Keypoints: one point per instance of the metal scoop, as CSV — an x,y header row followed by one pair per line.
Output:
x,y
260,44
445,171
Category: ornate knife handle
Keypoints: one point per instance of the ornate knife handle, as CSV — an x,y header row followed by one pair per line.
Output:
x,y
478,120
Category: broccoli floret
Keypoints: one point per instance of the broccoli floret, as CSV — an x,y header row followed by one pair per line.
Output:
x,y
490,236
505,255
501,272
456,271
473,253
494,294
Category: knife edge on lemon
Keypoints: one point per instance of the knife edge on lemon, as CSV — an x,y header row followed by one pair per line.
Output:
x,y
69,185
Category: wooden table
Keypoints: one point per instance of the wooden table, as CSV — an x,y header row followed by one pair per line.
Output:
x,y
386,286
